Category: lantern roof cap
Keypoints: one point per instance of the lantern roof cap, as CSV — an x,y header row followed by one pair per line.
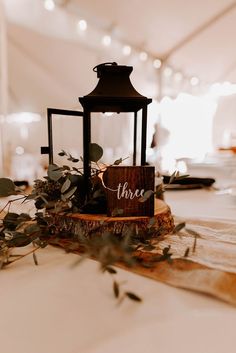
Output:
x,y
114,91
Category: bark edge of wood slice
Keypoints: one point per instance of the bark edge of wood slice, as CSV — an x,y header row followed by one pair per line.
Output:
x,y
161,223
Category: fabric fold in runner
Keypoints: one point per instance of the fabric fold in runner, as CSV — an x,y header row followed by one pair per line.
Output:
x,y
209,265
210,243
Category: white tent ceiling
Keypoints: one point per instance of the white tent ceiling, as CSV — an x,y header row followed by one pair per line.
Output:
x,y
50,65
197,36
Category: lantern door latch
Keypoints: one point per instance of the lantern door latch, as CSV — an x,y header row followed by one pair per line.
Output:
x,y
44,149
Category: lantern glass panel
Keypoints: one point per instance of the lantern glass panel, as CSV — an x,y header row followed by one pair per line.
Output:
x,y
115,133
67,135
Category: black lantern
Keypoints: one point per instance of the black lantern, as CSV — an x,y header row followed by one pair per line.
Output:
x,y
114,93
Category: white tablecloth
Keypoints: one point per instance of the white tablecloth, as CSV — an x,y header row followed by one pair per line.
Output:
x,y
54,308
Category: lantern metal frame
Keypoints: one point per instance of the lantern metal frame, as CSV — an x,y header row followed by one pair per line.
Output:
x,y
114,93
50,112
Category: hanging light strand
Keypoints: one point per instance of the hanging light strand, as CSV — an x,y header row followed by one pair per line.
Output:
x,y
127,50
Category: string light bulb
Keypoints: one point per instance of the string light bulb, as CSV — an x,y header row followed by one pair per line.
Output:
x,y
106,40
168,71
143,56
82,25
178,76
126,50
194,81
49,5
157,63
19,150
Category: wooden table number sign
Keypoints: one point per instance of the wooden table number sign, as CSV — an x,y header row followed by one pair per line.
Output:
x,y
125,187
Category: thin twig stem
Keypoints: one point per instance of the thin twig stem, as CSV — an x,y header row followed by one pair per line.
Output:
x,y
9,203
20,257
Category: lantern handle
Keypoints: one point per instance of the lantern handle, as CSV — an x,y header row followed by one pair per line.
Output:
x,y
95,69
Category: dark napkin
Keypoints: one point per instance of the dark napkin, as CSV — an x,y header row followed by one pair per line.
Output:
x,y
190,181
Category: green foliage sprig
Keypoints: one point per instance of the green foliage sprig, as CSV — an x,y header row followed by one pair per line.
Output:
x,y
62,190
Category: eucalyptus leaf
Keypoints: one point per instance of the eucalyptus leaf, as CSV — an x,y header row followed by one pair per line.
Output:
x,y
95,152
149,247
42,197
65,186
151,222
184,176
166,250
186,253
116,289
194,244
110,269
7,187
1,263
32,229
118,161
69,193
75,169
70,158
10,221
19,240
62,153
117,212
54,172
35,259
146,196
77,180
97,193
133,296
31,196
159,191
193,232
40,243
23,217
8,235
179,227
172,177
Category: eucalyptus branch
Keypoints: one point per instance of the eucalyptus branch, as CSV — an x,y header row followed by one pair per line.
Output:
x,y
23,255
62,190
120,296
8,204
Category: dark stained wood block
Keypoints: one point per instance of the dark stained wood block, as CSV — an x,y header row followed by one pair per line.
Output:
x,y
125,186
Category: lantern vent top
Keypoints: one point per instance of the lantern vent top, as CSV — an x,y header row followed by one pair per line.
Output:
x,y
114,90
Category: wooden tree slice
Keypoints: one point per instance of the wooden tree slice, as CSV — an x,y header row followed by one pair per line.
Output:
x,y
161,223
